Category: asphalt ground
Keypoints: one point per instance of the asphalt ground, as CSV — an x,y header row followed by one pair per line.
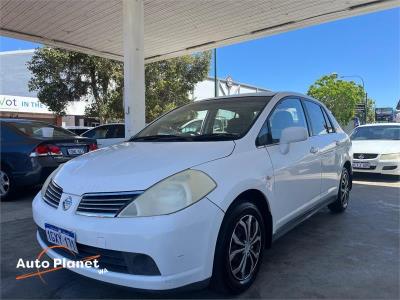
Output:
x,y
350,255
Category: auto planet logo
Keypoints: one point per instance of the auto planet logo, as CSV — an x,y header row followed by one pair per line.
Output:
x,y
43,266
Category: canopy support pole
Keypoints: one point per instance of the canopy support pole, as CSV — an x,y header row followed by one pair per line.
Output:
x,y
134,86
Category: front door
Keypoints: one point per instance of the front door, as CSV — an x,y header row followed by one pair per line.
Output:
x,y
297,174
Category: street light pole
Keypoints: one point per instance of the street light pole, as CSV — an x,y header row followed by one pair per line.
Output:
x,y
365,92
215,74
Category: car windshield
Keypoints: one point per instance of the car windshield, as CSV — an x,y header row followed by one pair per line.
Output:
x,y
41,130
210,120
384,132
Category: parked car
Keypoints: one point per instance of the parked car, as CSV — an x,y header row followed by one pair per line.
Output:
x,y
107,134
31,150
168,209
78,130
376,148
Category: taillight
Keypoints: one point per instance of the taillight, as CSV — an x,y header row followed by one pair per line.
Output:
x,y
44,150
93,147
54,150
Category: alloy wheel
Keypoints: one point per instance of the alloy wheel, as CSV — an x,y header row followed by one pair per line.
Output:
x,y
4,184
245,247
344,189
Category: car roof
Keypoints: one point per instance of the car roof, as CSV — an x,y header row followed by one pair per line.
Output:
x,y
109,124
261,94
379,124
7,120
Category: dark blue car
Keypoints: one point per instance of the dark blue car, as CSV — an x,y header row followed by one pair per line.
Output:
x,y
31,150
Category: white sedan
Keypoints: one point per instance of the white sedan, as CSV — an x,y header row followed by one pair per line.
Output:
x,y
173,208
107,134
376,148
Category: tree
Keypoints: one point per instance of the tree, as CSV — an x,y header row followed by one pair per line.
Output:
x,y
169,82
60,76
370,111
340,96
57,77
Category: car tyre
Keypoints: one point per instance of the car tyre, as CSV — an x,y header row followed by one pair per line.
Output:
x,y
342,200
239,254
6,184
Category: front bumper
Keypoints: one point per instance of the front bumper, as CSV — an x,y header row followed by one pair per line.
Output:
x,y
181,244
378,166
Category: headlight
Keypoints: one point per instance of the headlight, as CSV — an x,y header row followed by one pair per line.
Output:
x,y
46,183
391,156
171,194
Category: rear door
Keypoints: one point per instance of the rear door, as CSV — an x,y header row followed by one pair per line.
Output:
x,y
323,142
297,174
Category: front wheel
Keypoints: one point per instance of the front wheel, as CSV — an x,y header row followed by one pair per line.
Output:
x,y
239,250
342,200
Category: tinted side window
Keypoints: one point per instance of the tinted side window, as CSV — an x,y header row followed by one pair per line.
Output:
x,y
288,113
115,132
97,133
263,137
328,121
120,132
318,125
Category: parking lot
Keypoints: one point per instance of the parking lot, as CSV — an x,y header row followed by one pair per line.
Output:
x,y
351,255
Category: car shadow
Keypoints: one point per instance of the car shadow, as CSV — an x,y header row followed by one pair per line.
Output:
x,y
23,193
376,177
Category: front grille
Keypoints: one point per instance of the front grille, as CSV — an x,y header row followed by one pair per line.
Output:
x,y
364,156
115,261
105,205
53,194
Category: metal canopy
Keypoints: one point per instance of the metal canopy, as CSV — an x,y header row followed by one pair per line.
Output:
x,y
172,27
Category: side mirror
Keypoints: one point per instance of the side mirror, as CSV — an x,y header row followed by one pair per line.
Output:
x,y
291,135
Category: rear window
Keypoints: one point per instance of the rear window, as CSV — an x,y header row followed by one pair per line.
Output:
x,y
41,130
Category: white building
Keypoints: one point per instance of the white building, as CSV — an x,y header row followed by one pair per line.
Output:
x,y
206,88
16,101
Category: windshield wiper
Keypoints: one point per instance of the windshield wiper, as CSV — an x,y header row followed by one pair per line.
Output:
x,y
215,136
166,137
203,137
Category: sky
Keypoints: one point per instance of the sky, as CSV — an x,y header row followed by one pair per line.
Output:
x,y
366,45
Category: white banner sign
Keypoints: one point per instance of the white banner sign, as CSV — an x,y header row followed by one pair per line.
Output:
x,y
22,104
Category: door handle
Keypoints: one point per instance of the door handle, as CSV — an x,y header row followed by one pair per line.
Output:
x,y
314,150
337,143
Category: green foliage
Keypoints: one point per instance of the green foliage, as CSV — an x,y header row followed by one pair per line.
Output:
x,y
57,77
370,111
340,96
169,82
60,76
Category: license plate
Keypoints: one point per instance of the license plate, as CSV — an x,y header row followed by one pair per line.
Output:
x,y
61,237
76,151
361,165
